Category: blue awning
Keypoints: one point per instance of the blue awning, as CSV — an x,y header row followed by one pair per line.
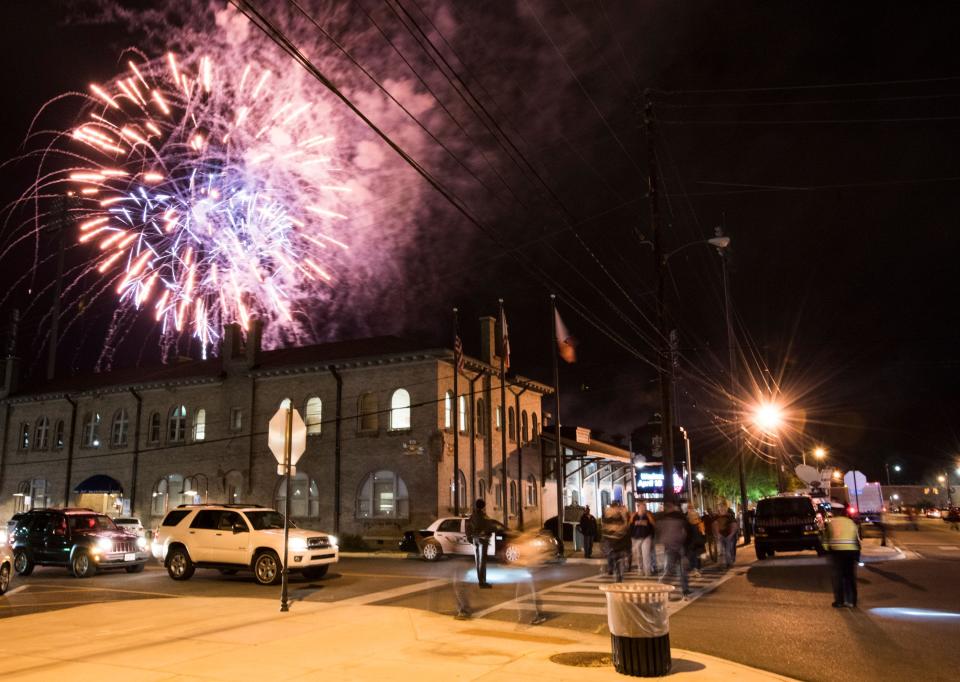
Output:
x,y
100,484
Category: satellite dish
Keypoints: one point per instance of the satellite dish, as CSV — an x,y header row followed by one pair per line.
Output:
x,y
807,474
855,480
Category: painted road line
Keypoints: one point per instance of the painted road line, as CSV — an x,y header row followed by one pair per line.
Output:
x,y
394,593
16,589
952,548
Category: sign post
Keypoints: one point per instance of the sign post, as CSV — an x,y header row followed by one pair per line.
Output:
x,y
287,439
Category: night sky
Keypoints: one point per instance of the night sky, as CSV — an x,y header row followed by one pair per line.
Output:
x,y
821,136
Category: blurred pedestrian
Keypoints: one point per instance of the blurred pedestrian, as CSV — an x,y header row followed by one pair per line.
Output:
x,y
672,533
953,518
642,530
711,538
726,529
616,538
842,542
696,542
588,529
479,530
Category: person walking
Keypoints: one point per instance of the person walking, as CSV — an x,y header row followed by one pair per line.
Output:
x,y
642,529
588,529
726,529
696,542
616,539
672,532
842,542
478,532
710,532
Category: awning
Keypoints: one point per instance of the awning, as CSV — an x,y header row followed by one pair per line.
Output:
x,y
100,484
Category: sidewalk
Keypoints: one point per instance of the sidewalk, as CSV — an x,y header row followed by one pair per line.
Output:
x,y
194,638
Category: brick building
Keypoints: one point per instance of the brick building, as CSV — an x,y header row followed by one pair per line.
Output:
x,y
141,440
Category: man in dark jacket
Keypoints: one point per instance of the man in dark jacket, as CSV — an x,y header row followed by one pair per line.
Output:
x,y
588,528
479,530
616,538
672,532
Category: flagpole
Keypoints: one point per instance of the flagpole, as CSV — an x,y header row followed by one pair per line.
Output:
x,y
560,468
506,423
455,418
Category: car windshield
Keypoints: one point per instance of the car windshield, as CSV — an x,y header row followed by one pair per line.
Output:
x,y
785,506
263,520
91,522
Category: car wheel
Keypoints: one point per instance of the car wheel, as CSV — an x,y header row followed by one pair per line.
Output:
x,y
511,554
82,565
22,563
227,571
179,565
4,578
136,568
431,550
315,572
267,568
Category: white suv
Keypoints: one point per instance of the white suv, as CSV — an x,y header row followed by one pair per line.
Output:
x,y
234,537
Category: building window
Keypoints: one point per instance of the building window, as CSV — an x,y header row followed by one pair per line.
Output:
x,y
481,424
194,490
285,404
58,434
313,411
42,434
305,500
498,495
236,418
462,481
24,441
200,424
531,491
166,493
383,495
177,424
513,497
154,432
91,424
368,413
118,428
511,424
233,485
448,410
400,410
534,428
499,417
31,495
524,428
462,414
481,489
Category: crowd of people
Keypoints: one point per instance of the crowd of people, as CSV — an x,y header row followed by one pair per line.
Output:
x,y
629,539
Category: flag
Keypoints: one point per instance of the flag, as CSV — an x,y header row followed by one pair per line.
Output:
x,y
458,352
504,339
566,344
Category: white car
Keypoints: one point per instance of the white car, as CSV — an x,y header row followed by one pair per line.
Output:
x,y
6,562
449,536
130,524
233,537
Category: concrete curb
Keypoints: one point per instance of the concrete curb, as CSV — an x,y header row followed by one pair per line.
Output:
x,y
377,555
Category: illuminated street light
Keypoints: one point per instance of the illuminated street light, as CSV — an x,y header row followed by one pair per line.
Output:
x,y
941,478
837,475
897,468
820,453
768,417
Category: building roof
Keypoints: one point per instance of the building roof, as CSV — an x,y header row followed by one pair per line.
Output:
x,y
578,438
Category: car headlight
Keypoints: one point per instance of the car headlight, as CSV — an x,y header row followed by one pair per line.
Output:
x,y
298,545
104,544
141,543
3,537
334,542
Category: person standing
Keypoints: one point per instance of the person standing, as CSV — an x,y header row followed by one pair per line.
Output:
x,y
726,529
616,539
710,533
478,532
588,529
842,542
696,542
642,529
672,531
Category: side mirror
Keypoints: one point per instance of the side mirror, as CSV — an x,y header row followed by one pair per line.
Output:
x,y
239,528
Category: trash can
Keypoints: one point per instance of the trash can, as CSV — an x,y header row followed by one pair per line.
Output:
x,y
639,628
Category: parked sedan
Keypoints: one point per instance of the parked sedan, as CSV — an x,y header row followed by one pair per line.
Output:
x,y
6,562
130,524
449,536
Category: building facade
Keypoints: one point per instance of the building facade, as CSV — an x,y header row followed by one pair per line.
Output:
x,y
381,421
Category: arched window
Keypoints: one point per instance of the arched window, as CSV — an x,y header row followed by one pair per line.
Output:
x,y
462,480
167,492
305,500
118,428
498,495
233,486
153,434
31,495
42,434
534,428
194,490
383,495
532,490
499,417
368,412
58,434
448,410
177,424
200,424
481,489
24,435
511,424
313,416
91,424
513,497
481,421
462,414
524,428
285,404
400,410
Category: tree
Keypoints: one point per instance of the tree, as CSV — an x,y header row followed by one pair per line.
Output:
x,y
722,479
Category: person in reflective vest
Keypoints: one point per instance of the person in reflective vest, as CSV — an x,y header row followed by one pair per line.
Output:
x,y
842,542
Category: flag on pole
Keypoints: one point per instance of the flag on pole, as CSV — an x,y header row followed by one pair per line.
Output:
x,y
566,344
504,338
458,352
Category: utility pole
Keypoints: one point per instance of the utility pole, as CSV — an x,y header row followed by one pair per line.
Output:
x,y
455,413
61,210
732,350
663,332
561,467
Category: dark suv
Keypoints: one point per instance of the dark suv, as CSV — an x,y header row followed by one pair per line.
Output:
x,y
80,539
787,523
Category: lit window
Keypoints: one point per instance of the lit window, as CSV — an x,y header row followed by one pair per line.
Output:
x,y
383,495
118,428
31,495
176,424
448,409
305,500
462,482
314,416
462,414
167,492
368,412
236,418
194,490
58,434
91,423
42,434
499,418
24,435
200,424
400,410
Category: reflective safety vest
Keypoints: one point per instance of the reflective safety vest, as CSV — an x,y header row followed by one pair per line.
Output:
x,y
842,535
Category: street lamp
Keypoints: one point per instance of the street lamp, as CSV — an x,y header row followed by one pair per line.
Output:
x,y
768,417
820,453
700,482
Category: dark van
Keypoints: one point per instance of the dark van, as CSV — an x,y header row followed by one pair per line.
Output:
x,y
787,523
